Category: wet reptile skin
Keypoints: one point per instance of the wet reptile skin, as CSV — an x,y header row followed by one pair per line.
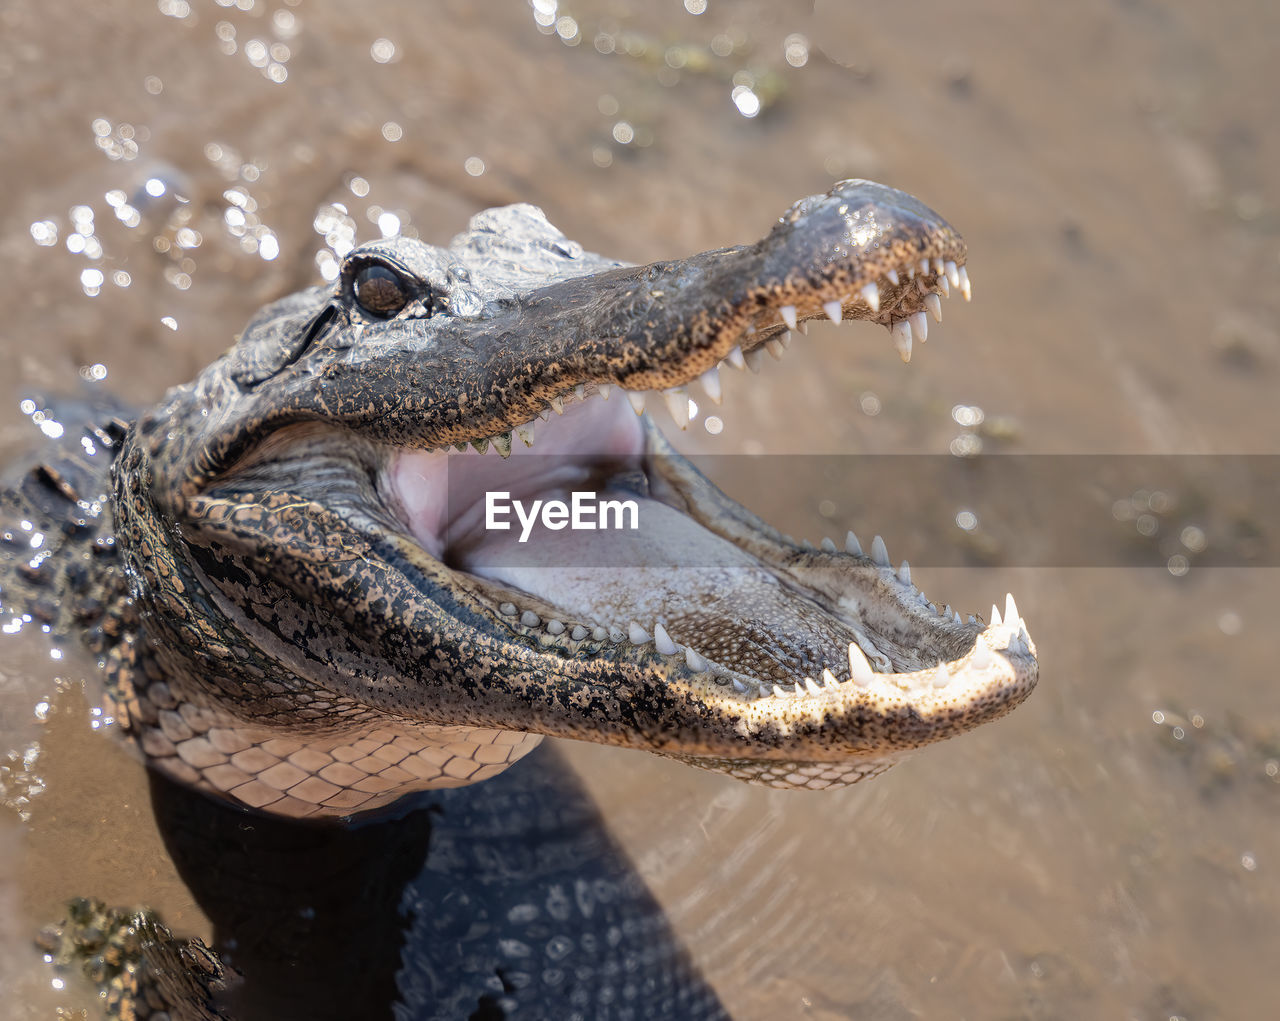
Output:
x,y
276,633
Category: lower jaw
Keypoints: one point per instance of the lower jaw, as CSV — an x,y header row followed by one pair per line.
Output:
x,y
676,581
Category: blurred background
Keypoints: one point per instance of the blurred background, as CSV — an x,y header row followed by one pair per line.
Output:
x,y
1109,850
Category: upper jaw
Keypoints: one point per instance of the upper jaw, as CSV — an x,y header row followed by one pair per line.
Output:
x,y
862,252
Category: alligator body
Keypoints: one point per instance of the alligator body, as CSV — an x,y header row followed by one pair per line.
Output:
x,y
305,612
287,569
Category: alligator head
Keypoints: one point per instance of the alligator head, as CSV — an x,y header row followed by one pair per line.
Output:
x,y
327,623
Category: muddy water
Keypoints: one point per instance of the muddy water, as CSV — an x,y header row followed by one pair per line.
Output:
x,y
1111,849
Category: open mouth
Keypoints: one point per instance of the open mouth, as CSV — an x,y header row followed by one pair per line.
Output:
x,y
739,621
336,511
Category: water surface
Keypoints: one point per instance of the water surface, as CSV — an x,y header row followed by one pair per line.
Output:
x,y
1111,849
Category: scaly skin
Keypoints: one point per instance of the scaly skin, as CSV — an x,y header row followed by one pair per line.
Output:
x,y
312,629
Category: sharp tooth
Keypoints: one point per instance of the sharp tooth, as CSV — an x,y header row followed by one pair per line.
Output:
x,y
871,293
754,357
785,338
924,267
636,397
851,544
693,660
981,656
554,627
965,287
775,348
461,448
507,609
788,313
900,334
735,359
953,274
710,381
662,641
750,331
525,432
1010,610
995,616
879,552
804,328
934,304
828,678
617,635
580,391
834,310
893,277
945,284
599,634
780,692
827,545
557,405
739,687
480,445
578,633
904,573
955,615
860,666
919,326
677,399
938,268
637,634
530,619
811,686
605,389
502,443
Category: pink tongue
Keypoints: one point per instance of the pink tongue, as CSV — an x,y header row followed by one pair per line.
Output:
x,y
707,592
670,567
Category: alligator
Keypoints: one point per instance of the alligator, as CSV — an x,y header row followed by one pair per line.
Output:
x,y
288,571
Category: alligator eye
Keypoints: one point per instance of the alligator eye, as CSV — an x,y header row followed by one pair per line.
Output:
x,y
381,292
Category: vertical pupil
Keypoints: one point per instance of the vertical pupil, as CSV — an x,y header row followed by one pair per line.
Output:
x,y
380,291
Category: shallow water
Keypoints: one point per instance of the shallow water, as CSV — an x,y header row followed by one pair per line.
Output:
x,y
1111,166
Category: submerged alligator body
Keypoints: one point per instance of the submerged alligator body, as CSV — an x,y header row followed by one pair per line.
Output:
x,y
286,569
305,612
